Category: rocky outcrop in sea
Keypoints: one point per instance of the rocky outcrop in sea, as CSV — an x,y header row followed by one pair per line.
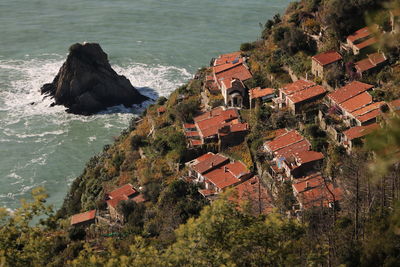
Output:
x,y
87,84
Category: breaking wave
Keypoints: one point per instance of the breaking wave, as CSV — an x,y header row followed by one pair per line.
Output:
x,y
42,145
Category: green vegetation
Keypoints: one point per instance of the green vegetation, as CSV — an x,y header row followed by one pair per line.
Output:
x,y
176,226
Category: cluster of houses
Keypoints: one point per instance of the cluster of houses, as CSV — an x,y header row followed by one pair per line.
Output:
x,y
347,114
215,173
293,160
361,43
124,193
221,125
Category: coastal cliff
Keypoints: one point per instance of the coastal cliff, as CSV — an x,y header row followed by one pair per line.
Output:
x,y
87,84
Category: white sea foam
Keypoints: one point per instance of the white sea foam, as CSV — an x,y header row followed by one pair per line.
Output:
x,y
26,120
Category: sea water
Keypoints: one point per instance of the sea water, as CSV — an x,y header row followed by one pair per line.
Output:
x,y
158,45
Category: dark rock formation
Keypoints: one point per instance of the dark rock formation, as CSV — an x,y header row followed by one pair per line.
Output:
x,y
86,83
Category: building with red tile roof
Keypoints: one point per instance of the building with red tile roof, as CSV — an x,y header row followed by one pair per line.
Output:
x,y
283,141
229,73
361,39
394,105
294,87
253,195
216,172
316,191
262,94
354,134
83,219
300,98
372,62
348,91
288,151
322,62
302,163
355,103
219,124
367,114
126,190
161,110
123,193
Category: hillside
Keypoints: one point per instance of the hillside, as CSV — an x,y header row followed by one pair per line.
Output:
x,y
289,179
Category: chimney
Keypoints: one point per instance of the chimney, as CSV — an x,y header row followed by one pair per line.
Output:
x,y
210,113
225,169
307,185
212,164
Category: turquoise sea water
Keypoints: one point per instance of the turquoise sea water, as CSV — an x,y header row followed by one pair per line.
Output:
x,y
156,44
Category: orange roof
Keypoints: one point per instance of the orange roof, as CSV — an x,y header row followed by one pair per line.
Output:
x,y
221,178
204,157
368,109
284,140
395,104
366,43
296,86
280,132
192,134
364,65
239,127
194,142
369,116
210,163
189,126
227,58
253,192
348,91
161,109
237,72
360,131
139,198
115,200
237,169
327,58
126,190
288,151
308,156
228,65
377,58
312,191
361,33
306,94
83,217
211,125
356,102
206,192
258,92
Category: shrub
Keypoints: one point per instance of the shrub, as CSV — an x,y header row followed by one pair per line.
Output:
x,y
186,110
136,141
246,46
76,233
161,100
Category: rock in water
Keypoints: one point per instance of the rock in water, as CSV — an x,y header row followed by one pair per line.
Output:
x,y
87,84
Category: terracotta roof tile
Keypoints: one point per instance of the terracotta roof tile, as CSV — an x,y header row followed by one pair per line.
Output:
x,y
210,163
360,131
192,134
221,178
238,72
364,65
204,157
296,86
284,140
308,156
288,151
356,102
227,58
207,192
194,142
258,92
237,169
254,193
83,217
327,58
348,91
126,190
369,116
189,125
366,43
368,109
361,33
306,94
161,109
395,104
377,58
114,201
